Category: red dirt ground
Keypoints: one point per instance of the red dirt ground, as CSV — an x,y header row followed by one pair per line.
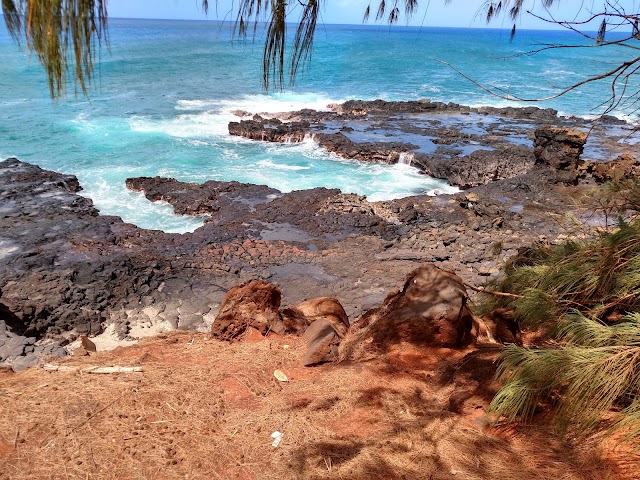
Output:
x,y
206,409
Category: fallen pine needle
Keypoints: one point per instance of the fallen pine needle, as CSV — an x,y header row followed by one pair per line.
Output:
x,y
91,369
93,415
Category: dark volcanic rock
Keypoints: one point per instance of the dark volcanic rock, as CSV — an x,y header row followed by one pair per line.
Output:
x,y
623,166
381,107
363,107
202,199
463,145
65,270
269,130
478,168
383,152
559,148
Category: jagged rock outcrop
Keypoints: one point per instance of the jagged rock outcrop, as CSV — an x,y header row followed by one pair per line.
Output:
x,y
254,304
463,145
430,311
558,147
202,199
269,130
382,152
359,108
478,168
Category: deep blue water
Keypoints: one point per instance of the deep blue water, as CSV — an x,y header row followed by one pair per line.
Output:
x,y
163,96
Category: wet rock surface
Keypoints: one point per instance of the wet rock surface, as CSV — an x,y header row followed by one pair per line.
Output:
x,y
269,129
479,167
66,270
463,145
205,199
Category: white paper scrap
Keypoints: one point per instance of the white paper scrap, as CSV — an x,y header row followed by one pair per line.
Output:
x,y
277,438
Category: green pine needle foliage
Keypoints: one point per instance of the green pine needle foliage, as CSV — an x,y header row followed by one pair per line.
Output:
x,y
596,370
587,296
600,278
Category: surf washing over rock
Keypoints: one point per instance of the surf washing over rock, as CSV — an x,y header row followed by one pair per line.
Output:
x,y
168,116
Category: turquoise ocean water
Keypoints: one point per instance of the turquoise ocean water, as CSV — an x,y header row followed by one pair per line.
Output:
x,y
164,94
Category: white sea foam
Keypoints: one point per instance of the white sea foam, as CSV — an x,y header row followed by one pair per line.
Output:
x,y
204,124
228,153
280,166
133,207
210,117
200,143
277,103
429,88
183,126
195,104
406,158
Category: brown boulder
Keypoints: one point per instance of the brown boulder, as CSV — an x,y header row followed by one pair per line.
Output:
x,y
324,324
621,167
252,304
298,317
431,310
558,148
322,343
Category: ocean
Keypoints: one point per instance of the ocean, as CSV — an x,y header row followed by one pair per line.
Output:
x,y
164,92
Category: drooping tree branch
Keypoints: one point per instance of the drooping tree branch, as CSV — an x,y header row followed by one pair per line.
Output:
x,y
621,77
64,34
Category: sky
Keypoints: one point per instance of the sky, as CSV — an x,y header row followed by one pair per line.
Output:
x,y
458,13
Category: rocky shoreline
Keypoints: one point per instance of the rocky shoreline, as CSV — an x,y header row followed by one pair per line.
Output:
x,y
66,270
465,146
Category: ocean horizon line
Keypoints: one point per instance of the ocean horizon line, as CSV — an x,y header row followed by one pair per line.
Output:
x,y
367,25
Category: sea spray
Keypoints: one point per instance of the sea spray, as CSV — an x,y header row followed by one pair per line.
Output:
x,y
406,158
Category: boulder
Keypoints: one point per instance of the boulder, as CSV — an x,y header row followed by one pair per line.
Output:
x,y
322,343
87,344
298,318
623,166
252,304
558,148
324,324
430,311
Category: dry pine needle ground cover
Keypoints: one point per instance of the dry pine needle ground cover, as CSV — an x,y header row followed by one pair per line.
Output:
x,y
206,409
